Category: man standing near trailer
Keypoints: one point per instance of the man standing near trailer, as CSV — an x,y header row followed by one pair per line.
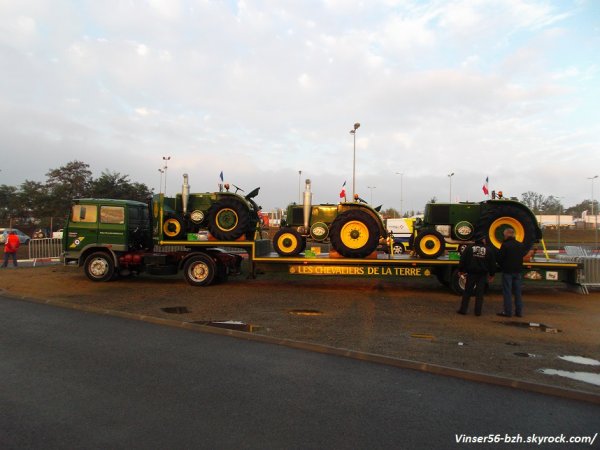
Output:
x,y
479,264
510,259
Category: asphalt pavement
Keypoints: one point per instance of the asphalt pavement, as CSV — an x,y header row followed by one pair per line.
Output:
x,y
71,379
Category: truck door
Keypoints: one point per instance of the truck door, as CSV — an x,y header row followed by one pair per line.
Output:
x,y
112,229
82,229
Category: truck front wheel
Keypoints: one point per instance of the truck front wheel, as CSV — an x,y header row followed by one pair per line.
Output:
x,y
199,270
99,266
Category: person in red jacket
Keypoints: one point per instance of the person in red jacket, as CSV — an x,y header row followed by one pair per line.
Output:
x,y
10,248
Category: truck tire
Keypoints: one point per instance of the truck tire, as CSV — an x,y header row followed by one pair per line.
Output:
x,y
429,244
173,228
354,234
228,219
99,266
288,242
200,270
497,219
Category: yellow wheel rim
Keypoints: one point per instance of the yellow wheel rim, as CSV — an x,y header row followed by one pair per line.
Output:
x,y
354,234
287,243
430,245
500,224
226,219
171,227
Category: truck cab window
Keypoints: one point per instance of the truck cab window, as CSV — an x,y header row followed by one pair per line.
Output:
x,y
84,213
112,214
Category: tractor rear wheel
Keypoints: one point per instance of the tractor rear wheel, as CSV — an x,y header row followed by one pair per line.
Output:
x,y
354,234
228,219
430,244
497,219
288,242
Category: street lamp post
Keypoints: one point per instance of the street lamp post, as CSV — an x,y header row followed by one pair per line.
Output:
x,y
594,214
166,159
371,187
160,185
353,133
299,187
450,175
401,177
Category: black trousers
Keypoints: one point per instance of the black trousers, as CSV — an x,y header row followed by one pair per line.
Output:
x,y
475,285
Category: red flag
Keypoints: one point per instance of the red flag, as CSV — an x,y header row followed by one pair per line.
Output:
x,y
485,186
343,193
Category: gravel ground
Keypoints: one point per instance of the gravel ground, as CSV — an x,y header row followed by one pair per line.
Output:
x,y
414,320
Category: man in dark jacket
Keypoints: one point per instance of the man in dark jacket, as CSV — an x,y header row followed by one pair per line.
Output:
x,y
510,259
479,264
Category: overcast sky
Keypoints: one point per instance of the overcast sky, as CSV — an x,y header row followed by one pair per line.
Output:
x,y
261,90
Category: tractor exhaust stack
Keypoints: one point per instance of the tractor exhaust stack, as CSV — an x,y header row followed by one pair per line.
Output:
x,y
307,205
185,193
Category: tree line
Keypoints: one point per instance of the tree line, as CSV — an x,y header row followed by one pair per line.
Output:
x,y
45,203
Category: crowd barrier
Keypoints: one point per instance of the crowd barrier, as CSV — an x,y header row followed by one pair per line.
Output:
x,y
45,248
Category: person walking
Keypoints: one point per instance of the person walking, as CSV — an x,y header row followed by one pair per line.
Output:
x,y
10,248
510,259
478,262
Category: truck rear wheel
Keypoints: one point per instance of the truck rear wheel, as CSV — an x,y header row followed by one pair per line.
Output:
x,y
99,266
288,242
199,270
430,244
354,234
496,220
228,219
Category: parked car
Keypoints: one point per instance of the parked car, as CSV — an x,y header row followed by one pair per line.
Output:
x,y
23,238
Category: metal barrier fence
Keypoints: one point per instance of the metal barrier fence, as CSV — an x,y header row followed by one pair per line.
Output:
x,y
590,274
45,248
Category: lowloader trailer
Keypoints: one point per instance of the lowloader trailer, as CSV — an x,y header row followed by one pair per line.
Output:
x,y
117,238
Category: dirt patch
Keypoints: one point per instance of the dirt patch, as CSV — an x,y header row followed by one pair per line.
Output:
x,y
414,320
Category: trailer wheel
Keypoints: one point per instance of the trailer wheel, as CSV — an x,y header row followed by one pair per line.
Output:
x,y
458,284
199,270
173,228
497,219
430,244
228,219
354,234
288,242
99,266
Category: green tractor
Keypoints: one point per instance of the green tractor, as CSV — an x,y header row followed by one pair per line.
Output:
x,y
354,229
458,223
226,215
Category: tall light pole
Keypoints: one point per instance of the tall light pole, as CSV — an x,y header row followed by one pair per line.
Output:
x,y
371,187
594,214
353,133
401,177
299,187
166,159
160,185
450,175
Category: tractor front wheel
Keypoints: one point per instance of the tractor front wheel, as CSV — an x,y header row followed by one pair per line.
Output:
x,y
288,242
430,244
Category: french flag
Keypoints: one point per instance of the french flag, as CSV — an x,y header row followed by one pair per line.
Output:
x,y
486,191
